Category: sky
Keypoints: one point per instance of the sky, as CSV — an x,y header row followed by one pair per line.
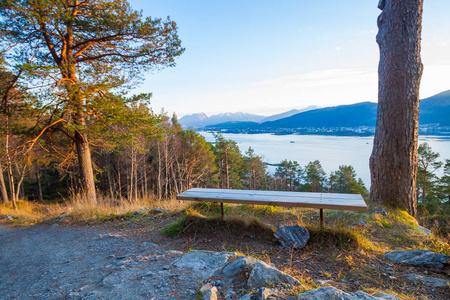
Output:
x,y
266,57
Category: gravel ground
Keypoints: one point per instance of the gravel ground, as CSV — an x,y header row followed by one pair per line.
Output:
x,y
58,262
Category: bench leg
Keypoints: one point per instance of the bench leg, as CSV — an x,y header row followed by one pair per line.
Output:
x,y
321,218
221,208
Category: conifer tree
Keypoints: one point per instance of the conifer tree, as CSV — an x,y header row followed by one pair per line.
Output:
x,y
82,51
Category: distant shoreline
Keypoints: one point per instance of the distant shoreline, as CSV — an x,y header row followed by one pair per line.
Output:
x,y
343,133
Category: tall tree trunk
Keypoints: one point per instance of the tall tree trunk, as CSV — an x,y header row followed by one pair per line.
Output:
x,y
38,179
393,163
159,170
166,168
85,167
3,191
12,191
227,179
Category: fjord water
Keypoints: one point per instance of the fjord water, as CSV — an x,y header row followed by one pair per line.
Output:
x,y
331,151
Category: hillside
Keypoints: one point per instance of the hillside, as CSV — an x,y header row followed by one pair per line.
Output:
x,y
360,114
436,109
345,119
288,113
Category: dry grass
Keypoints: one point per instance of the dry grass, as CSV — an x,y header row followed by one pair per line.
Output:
x,y
77,209
106,207
30,213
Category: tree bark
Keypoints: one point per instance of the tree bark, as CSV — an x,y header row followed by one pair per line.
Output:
x,y
85,167
3,191
393,163
38,179
12,191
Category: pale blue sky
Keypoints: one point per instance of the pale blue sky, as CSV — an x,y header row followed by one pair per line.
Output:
x,y
267,57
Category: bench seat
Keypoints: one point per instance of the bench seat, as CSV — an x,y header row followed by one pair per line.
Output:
x,y
352,202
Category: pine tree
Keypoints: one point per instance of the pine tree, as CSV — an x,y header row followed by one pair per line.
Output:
x,y
81,51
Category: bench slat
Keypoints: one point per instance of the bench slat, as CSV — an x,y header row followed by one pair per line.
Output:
x,y
290,199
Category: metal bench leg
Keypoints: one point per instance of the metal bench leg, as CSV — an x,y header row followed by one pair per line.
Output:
x,y
321,218
221,208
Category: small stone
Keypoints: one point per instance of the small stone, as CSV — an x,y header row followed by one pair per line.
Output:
x,y
424,230
386,296
330,293
160,210
248,296
211,294
173,253
205,288
149,245
323,282
292,236
265,293
381,211
142,211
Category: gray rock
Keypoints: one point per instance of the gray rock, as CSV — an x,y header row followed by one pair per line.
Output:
x,y
248,296
206,288
381,211
323,282
329,293
211,294
173,253
363,296
263,275
203,264
424,230
332,293
265,293
160,210
142,211
419,258
430,281
239,265
386,296
148,245
292,236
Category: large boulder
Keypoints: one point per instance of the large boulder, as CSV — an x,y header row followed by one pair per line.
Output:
x,y
241,264
419,258
292,236
203,264
264,275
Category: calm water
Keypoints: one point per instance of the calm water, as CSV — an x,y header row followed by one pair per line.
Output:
x,y
331,151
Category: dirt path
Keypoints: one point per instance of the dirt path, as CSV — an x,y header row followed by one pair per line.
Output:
x,y
56,262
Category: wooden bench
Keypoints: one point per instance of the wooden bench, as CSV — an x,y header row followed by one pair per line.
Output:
x,y
321,201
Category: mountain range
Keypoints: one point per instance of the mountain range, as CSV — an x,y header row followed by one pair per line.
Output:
x,y
200,120
357,118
